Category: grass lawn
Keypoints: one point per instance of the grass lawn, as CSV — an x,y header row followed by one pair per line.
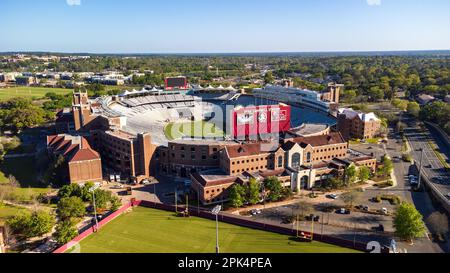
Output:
x,y
7,211
153,231
23,170
196,129
30,92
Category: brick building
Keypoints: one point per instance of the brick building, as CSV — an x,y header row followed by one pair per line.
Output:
x,y
125,153
356,125
81,163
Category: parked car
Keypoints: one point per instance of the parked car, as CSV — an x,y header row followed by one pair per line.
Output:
x,y
380,228
255,212
117,187
384,211
343,211
145,182
363,207
332,196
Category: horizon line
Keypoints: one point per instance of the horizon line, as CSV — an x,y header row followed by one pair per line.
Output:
x,y
225,53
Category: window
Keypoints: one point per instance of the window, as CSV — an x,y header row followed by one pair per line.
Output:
x,y
308,157
280,161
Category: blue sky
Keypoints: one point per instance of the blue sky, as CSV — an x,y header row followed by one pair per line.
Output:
x,y
187,26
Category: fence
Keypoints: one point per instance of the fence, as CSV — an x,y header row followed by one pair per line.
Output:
x,y
230,219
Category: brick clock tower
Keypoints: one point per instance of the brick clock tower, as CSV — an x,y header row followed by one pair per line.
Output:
x,y
81,109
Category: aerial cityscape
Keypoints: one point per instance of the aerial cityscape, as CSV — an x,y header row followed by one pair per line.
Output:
x,y
183,135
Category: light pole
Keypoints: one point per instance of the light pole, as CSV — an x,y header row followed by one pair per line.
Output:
x,y
216,211
95,209
420,169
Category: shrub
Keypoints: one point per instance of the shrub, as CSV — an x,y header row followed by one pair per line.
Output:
x,y
65,232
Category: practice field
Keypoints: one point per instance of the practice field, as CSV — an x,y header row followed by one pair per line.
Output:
x,y
153,231
30,92
195,129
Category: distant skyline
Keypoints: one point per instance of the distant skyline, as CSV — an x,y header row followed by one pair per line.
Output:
x,y
224,26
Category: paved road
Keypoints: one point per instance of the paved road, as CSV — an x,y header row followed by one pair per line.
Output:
x,y
432,167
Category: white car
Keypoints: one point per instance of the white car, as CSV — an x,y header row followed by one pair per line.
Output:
x,y
146,182
384,210
117,187
255,211
333,196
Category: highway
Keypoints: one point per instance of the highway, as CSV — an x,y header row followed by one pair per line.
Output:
x,y
432,166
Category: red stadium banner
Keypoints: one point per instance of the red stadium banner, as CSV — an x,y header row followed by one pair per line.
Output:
x,y
260,120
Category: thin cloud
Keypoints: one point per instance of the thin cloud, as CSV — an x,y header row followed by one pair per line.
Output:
x,y
373,2
73,2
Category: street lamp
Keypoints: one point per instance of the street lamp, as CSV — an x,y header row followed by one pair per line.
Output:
x,y
420,169
216,211
95,209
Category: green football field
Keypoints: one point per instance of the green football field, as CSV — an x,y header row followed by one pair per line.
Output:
x,y
153,231
30,92
198,129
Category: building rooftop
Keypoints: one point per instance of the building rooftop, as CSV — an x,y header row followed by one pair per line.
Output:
x,y
250,149
121,134
73,148
351,114
213,177
321,140
309,129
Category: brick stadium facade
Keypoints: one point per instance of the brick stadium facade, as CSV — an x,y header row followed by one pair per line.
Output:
x,y
300,161
130,155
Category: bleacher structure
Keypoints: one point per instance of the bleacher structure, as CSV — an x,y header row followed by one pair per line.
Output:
x,y
152,102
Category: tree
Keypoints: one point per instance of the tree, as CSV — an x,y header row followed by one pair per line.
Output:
x,y
408,222
376,93
349,95
65,231
413,108
438,223
363,174
434,111
71,207
237,193
102,199
387,167
350,174
400,104
351,197
275,188
333,183
19,113
69,191
33,224
268,77
85,192
253,192
116,203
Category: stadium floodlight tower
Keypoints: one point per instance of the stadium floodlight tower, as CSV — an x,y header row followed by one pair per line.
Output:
x,y
216,211
92,189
